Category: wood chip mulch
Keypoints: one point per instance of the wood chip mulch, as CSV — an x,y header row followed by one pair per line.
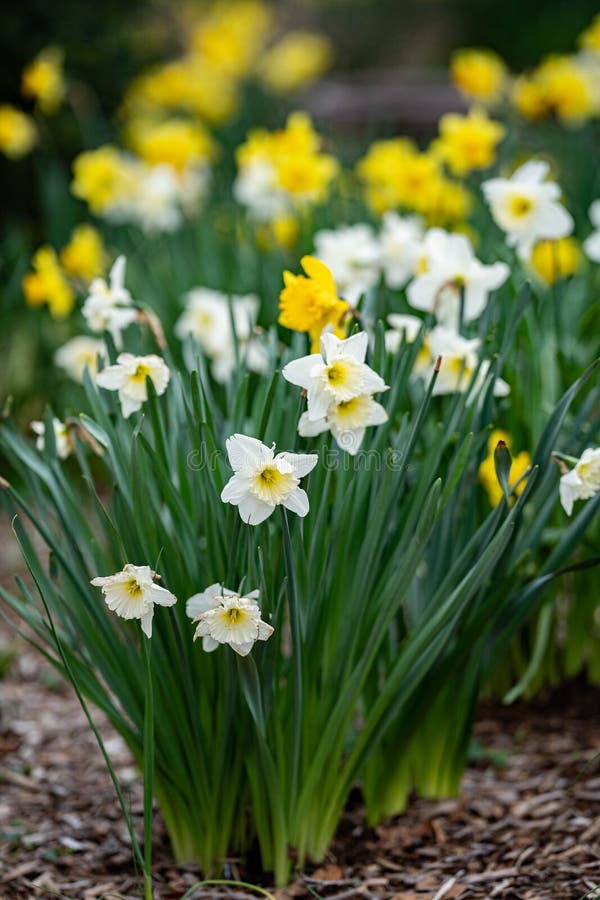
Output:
x,y
525,827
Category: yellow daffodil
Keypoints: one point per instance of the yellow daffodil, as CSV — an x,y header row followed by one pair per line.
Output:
x,y
47,284
565,86
571,88
310,302
479,74
232,35
529,98
468,142
298,59
487,470
177,142
43,80
104,178
590,38
554,260
84,256
18,133
190,84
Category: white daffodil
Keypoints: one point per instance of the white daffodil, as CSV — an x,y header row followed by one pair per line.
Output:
x,y
403,328
208,319
583,481
347,421
527,207
400,248
262,481
132,594
156,204
78,354
62,437
128,377
225,617
351,254
591,245
257,188
453,276
108,306
459,359
336,374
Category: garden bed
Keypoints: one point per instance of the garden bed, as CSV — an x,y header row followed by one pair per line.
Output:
x,y
526,826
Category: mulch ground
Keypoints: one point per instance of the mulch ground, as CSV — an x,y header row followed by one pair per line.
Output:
x,y
525,827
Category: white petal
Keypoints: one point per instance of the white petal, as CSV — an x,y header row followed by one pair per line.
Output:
x,y
372,383
297,502
235,490
355,346
209,644
253,511
557,221
129,405
308,427
591,246
146,621
349,439
318,401
111,378
301,463
246,452
299,370
161,595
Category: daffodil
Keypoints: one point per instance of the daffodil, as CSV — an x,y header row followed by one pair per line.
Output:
x,y
400,242
18,134
211,317
128,377
108,305
297,60
403,328
262,480
582,482
80,353
62,437
454,280
84,255
310,302
347,420
43,80
337,374
459,363
527,207
351,253
47,284
591,245
479,74
132,594
468,142
107,180
225,617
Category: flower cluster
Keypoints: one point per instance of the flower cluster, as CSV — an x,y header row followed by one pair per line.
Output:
x,y
339,387
284,171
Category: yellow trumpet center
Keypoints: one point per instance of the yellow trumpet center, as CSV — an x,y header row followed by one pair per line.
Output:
x,y
520,206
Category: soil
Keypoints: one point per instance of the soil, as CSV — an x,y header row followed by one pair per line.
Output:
x,y
526,825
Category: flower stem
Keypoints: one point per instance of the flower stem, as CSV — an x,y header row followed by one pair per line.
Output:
x,y
296,656
148,767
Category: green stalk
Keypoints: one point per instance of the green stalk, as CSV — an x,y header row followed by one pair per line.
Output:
x,y
148,766
296,656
